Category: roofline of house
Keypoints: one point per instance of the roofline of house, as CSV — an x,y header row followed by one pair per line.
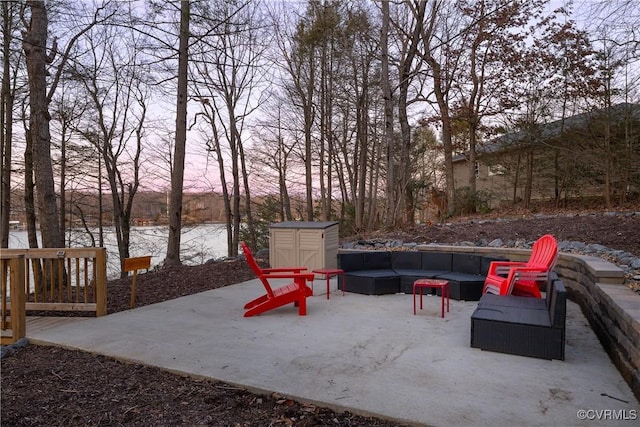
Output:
x,y
552,129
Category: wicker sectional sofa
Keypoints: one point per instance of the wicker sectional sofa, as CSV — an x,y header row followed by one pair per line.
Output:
x,y
524,326
390,272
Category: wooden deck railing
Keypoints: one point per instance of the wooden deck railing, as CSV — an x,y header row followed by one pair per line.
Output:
x,y
13,281
54,279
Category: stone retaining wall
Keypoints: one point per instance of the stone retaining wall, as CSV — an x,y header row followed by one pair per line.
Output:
x,y
597,286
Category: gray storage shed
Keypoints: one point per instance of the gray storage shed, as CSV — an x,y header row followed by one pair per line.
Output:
x,y
311,244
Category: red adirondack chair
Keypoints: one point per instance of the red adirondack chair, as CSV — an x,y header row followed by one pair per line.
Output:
x,y
523,278
295,292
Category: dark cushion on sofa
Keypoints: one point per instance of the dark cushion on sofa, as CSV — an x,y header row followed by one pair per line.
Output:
x,y
411,267
492,300
403,260
374,273
436,261
555,303
466,263
372,282
519,315
377,260
464,286
352,261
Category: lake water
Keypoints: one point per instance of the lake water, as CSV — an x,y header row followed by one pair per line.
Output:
x,y
198,243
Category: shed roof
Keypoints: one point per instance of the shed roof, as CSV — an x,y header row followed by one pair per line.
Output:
x,y
304,224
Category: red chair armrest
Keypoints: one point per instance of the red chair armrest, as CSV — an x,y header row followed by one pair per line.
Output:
x,y
531,273
524,273
502,267
305,276
284,270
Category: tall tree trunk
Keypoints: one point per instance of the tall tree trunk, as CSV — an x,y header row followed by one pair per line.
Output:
x,y
308,124
528,189
29,196
516,180
324,97
445,119
34,45
247,199
63,179
473,122
30,208
285,200
362,155
441,86
237,157
6,121
225,191
628,158
406,74
388,116
100,203
177,171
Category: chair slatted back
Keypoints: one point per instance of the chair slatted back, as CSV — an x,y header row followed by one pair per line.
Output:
x,y
256,268
544,252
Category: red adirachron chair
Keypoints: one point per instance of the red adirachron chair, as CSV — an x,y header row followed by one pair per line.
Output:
x,y
524,278
295,292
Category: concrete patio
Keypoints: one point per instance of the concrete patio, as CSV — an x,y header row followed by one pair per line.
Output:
x,y
366,354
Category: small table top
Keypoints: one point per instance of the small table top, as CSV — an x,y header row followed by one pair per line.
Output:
x,y
328,271
431,282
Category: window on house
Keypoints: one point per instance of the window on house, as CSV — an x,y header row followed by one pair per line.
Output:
x,y
496,169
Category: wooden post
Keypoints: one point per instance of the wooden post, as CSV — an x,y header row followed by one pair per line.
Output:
x,y
18,312
100,269
4,269
135,264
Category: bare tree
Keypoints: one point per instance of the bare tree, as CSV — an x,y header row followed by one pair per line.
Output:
x,y
114,84
357,154
387,95
11,60
65,112
34,45
272,156
225,82
407,69
298,52
443,63
37,59
329,69
613,27
177,170
492,46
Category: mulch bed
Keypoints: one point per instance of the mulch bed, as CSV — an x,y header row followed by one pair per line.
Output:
x,y
49,386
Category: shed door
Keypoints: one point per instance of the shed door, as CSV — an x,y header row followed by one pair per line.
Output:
x,y
283,250
311,248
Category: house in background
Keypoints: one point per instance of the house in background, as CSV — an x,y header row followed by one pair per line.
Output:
x,y
594,154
